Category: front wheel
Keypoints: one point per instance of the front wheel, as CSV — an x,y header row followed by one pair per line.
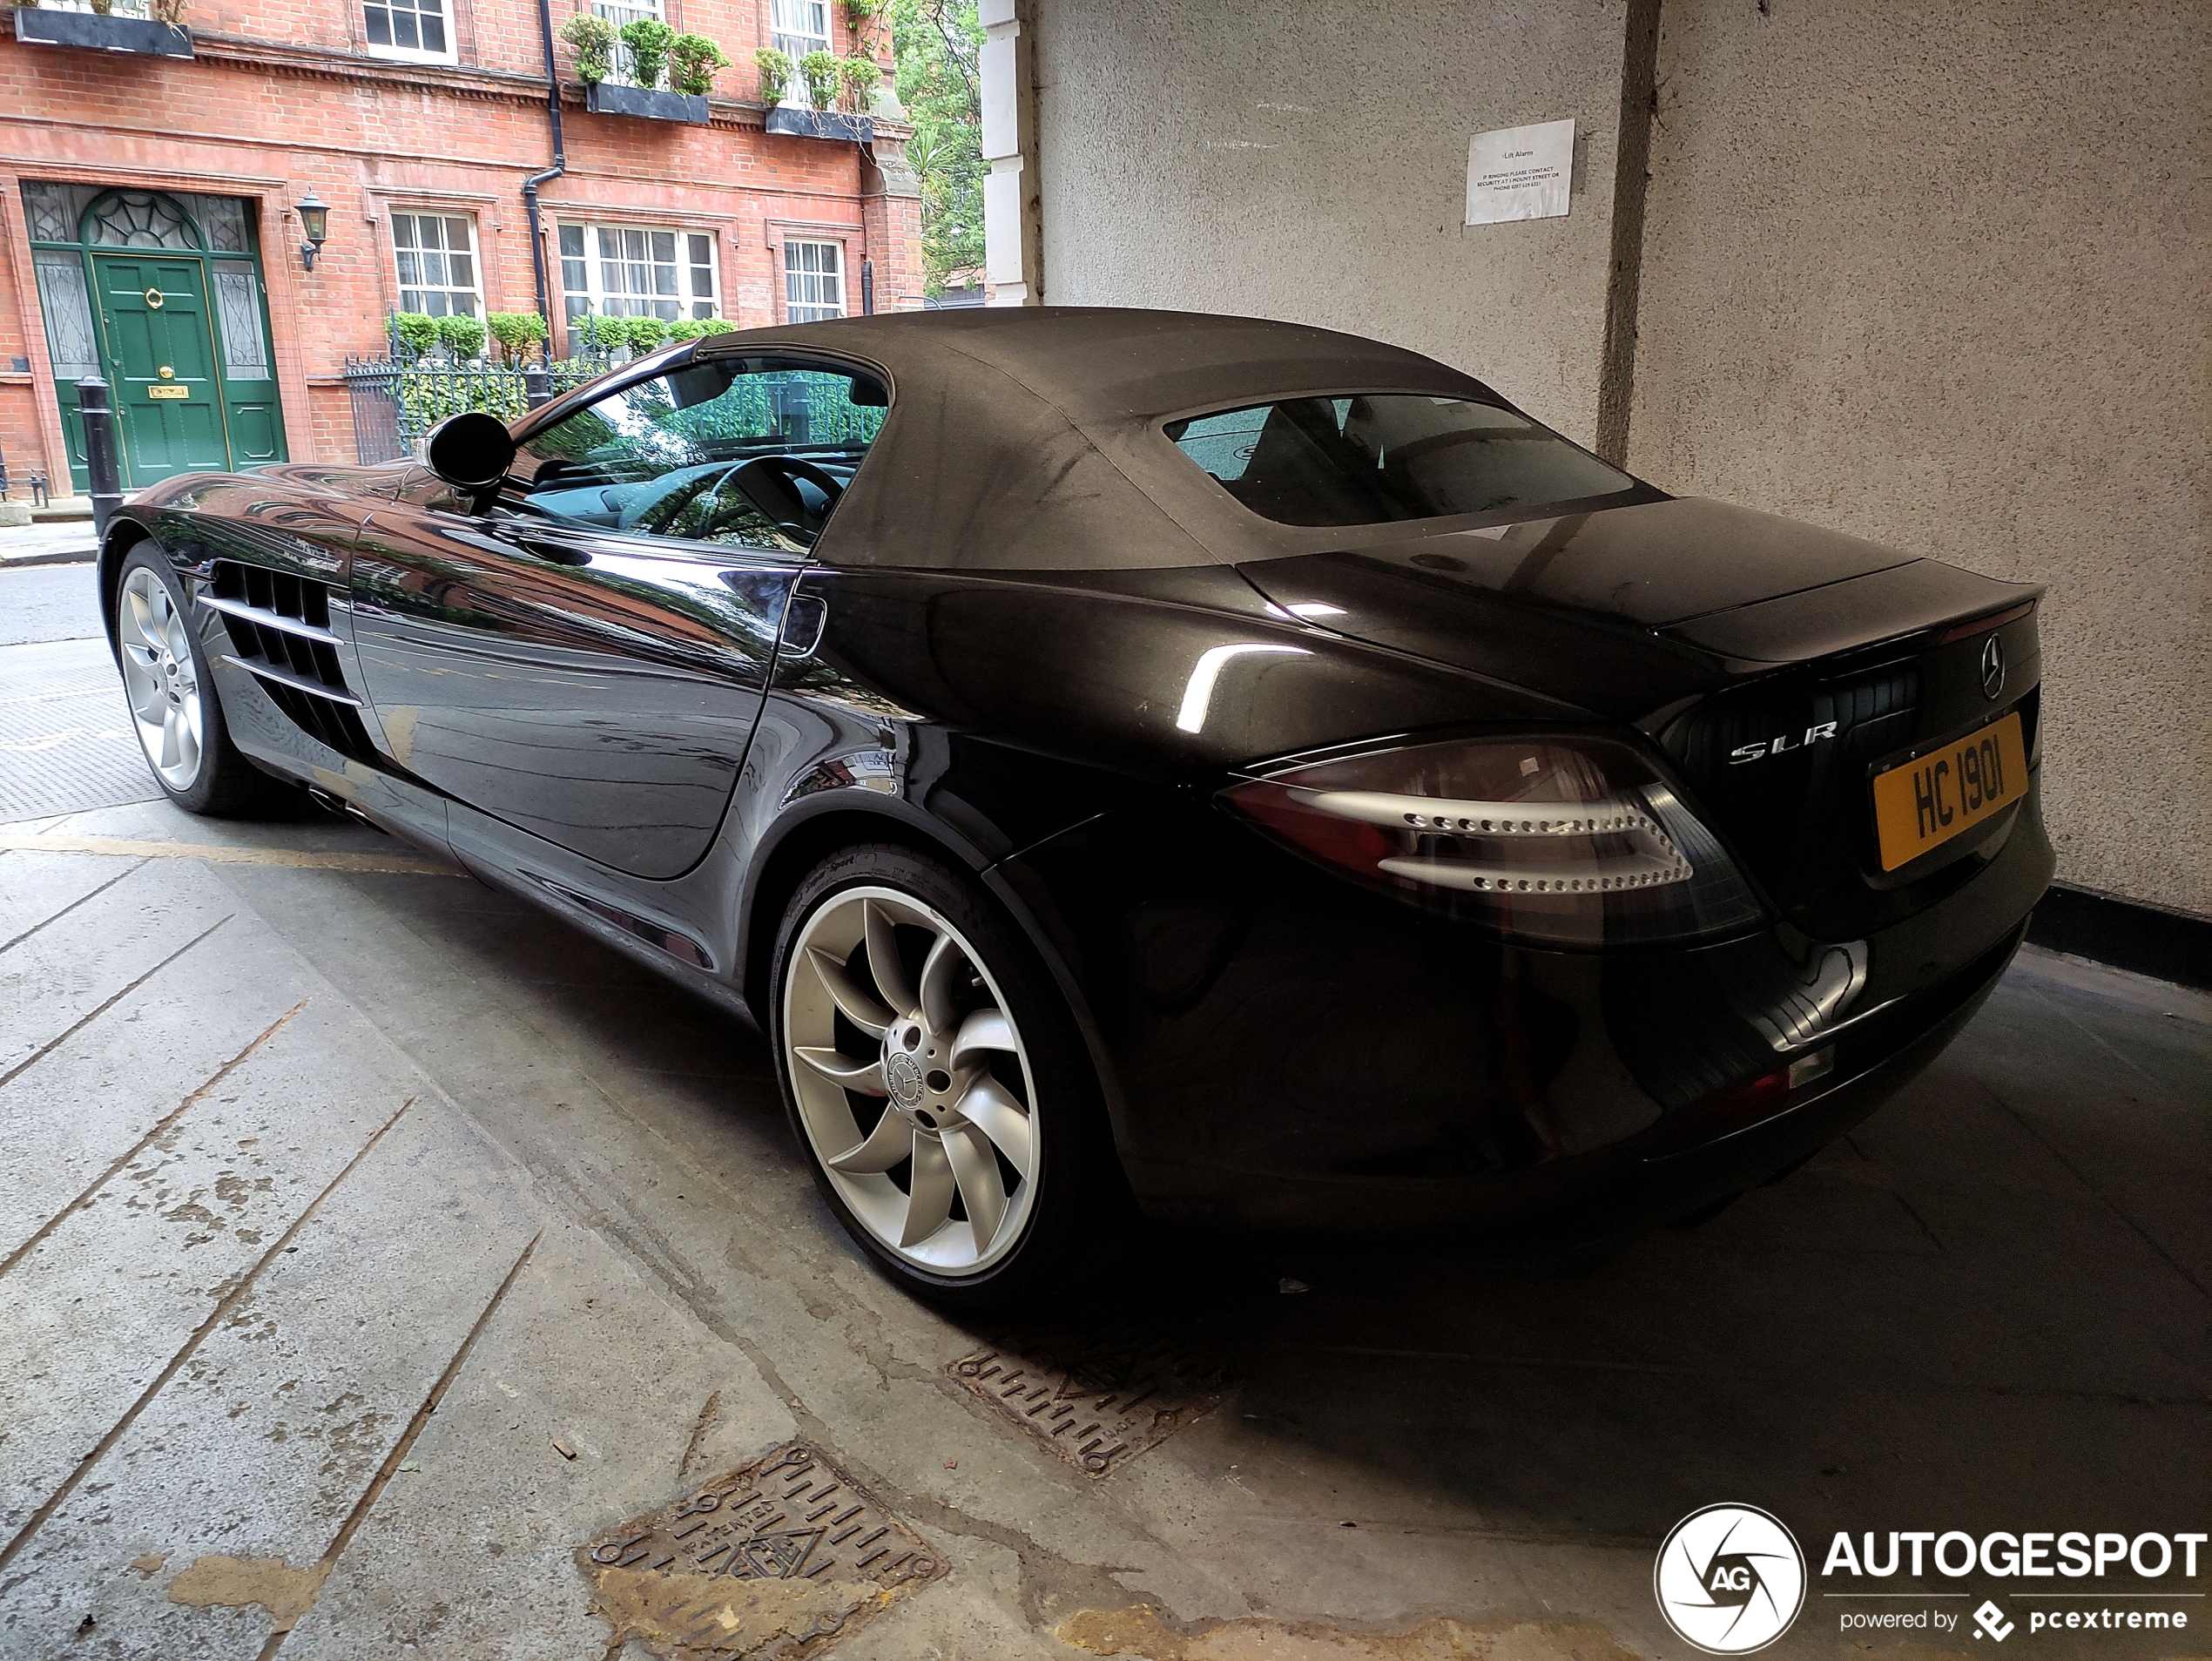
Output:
x,y
173,707
937,1079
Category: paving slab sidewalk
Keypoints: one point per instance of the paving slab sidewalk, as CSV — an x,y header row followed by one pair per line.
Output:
x,y
369,1243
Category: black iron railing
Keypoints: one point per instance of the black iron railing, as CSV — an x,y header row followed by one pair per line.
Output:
x,y
396,401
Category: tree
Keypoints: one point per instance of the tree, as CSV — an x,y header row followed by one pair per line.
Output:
x,y
936,44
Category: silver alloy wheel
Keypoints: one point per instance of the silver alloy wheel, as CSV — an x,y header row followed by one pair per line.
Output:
x,y
940,1054
159,678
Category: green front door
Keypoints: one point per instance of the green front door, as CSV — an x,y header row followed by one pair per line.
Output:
x,y
154,316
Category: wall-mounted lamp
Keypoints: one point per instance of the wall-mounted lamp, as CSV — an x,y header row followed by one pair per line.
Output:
x,y
314,225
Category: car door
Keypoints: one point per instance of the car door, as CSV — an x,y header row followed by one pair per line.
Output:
x,y
585,658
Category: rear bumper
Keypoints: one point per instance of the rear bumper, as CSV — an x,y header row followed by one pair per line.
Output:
x,y
1285,1051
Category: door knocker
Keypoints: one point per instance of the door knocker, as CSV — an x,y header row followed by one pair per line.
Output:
x,y
166,372
153,300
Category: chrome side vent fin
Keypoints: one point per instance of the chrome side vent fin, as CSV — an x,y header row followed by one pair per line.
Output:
x,y
280,630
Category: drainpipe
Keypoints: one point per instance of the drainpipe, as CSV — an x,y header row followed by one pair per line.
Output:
x,y
560,165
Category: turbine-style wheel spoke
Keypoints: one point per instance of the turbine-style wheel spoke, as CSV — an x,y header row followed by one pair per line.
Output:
x,y
170,747
988,1106
138,618
188,738
929,1201
980,1189
860,1010
941,975
964,1143
148,701
840,1069
983,1030
892,1140
172,631
884,962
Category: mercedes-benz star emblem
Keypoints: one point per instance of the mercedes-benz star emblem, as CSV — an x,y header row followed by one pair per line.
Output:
x,y
1730,1579
1993,668
902,1073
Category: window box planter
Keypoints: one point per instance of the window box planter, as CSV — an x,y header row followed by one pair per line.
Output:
x,y
821,124
607,97
36,25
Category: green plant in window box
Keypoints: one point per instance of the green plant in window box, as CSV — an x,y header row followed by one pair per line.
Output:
x,y
857,79
645,333
775,74
820,71
692,60
649,39
516,332
591,37
103,7
417,330
462,336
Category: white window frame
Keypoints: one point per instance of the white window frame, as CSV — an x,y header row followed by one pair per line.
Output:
x,y
619,12
786,19
784,273
411,54
474,289
687,299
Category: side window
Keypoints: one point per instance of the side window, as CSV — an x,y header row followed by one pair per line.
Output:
x,y
751,452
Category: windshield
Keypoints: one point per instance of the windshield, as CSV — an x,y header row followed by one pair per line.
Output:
x,y
1373,457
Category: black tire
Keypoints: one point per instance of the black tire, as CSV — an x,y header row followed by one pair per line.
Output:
x,y
226,785
1080,1201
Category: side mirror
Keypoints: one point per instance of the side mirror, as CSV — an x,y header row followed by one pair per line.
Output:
x,y
470,451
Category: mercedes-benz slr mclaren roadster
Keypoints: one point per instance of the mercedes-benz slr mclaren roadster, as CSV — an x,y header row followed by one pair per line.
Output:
x,y
1118,754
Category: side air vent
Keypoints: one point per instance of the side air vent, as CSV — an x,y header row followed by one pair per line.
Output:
x,y
281,633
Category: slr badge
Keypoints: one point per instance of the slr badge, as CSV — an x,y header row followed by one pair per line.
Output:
x,y
1781,743
1730,1579
1993,668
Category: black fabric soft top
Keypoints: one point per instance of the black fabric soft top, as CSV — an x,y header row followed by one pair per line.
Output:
x,y
1027,438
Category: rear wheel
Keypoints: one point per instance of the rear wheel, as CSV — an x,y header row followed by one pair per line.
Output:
x,y
173,707
935,1078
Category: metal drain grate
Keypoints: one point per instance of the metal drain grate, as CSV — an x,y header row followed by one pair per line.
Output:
x,y
781,1558
66,742
1097,1400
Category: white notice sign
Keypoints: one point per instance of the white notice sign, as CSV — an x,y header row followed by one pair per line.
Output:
x,y
1520,172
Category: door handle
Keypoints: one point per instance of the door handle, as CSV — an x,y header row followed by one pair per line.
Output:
x,y
553,552
806,616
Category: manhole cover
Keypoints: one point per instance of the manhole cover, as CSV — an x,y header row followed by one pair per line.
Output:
x,y
1096,1401
779,1558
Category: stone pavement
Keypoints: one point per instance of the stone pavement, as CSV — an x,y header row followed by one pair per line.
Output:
x,y
385,1269
67,542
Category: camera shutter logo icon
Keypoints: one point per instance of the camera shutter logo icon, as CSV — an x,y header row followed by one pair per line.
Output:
x,y
1730,1579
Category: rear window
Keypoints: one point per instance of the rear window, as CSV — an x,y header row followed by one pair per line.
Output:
x,y
1373,457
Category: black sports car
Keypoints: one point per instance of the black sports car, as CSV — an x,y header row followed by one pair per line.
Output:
x,y
1110,752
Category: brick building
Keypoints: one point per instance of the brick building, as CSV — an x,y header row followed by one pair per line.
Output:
x,y
134,183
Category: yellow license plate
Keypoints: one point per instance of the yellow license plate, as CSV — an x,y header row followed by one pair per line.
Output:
x,y
168,392
1923,803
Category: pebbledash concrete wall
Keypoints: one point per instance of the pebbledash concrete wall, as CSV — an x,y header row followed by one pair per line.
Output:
x,y
1937,275
1310,163
1932,274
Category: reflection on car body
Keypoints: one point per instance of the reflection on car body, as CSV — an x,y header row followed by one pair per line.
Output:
x,y
1247,767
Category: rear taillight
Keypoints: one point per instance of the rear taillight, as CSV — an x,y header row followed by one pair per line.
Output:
x,y
1562,840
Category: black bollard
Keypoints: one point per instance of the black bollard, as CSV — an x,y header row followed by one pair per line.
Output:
x,y
537,386
106,480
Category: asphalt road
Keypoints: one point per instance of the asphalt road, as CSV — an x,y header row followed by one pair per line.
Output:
x,y
373,1251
